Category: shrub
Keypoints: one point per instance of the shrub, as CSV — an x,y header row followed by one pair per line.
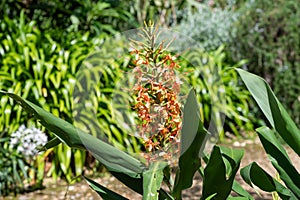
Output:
x,y
210,24
13,169
210,27
142,176
22,169
268,35
60,18
37,67
165,13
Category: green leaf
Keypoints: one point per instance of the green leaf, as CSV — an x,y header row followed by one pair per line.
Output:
x,y
22,168
272,109
193,137
232,159
163,195
134,183
214,173
215,179
237,188
112,158
152,179
104,192
79,157
52,143
280,160
211,196
254,174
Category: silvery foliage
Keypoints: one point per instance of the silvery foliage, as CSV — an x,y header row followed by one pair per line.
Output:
x,y
210,27
26,140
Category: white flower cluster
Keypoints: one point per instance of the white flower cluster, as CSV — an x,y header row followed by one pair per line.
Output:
x,y
25,140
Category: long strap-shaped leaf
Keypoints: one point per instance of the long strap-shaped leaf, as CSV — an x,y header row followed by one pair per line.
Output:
x,y
254,174
152,179
280,159
215,179
112,158
236,187
104,192
193,139
272,109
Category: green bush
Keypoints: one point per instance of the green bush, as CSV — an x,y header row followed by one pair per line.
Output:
x,y
12,169
64,19
267,34
22,168
38,68
35,66
210,27
147,180
165,12
221,165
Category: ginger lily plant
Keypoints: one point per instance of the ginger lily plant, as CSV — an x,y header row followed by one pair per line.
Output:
x,y
222,164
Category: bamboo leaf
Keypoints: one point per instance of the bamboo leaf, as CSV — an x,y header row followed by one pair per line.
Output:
x,y
236,187
214,173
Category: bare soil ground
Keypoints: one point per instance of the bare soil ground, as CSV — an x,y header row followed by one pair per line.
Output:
x,y
61,191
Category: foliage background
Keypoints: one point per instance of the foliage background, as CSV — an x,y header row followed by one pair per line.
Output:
x,y
268,36
43,44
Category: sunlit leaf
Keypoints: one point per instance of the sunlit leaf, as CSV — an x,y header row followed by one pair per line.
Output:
x,y
152,179
109,156
272,109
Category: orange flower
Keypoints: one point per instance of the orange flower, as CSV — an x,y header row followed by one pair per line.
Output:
x,y
156,90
